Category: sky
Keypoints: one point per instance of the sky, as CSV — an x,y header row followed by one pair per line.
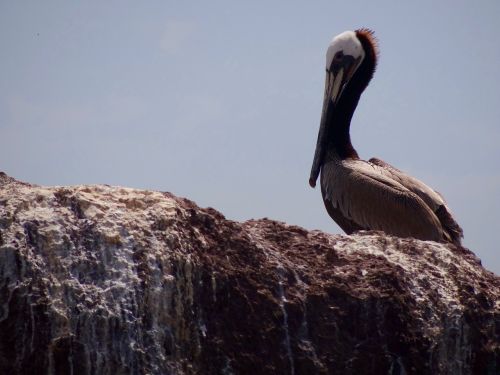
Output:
x,y
220,101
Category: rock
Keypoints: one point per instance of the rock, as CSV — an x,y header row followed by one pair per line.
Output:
x,y
110,280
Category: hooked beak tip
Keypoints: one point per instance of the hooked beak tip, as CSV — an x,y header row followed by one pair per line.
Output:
x,y
312,183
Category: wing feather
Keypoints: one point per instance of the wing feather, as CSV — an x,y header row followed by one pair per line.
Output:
x,y
372,200
432,198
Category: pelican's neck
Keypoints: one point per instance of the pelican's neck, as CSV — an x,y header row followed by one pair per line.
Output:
x,y
340,138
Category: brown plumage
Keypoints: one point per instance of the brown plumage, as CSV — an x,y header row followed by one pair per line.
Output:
x,y
371,195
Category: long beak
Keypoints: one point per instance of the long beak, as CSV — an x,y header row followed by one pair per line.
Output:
x,y
333,88
335,83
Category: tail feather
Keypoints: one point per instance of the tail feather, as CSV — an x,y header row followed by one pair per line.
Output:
x,y
450,225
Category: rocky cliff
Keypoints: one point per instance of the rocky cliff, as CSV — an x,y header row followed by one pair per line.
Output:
x,y
110,280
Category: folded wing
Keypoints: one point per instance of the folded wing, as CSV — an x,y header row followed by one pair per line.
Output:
x,y
367,196
432,198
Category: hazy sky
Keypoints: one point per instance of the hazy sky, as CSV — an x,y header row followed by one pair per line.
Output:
x,y
220,101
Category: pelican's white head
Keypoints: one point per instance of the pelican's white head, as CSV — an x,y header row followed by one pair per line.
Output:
x,y
345,44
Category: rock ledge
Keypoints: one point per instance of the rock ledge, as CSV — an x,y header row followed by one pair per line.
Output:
x,y
111,280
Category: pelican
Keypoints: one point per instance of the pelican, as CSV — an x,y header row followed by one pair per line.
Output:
x,y
368,195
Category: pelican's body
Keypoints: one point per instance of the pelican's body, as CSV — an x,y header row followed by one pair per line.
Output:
x,y
368,195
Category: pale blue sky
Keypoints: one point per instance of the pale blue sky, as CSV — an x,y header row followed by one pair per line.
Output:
x,y
220,101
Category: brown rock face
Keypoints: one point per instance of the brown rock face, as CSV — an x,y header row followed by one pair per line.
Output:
x,y
109,280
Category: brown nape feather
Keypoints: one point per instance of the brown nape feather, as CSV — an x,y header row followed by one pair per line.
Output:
x,y
369,42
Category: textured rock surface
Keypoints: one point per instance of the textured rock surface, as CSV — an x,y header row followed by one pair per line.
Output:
x,y
108,280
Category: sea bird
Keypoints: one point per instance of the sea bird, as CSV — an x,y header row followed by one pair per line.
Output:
x,y
368,195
